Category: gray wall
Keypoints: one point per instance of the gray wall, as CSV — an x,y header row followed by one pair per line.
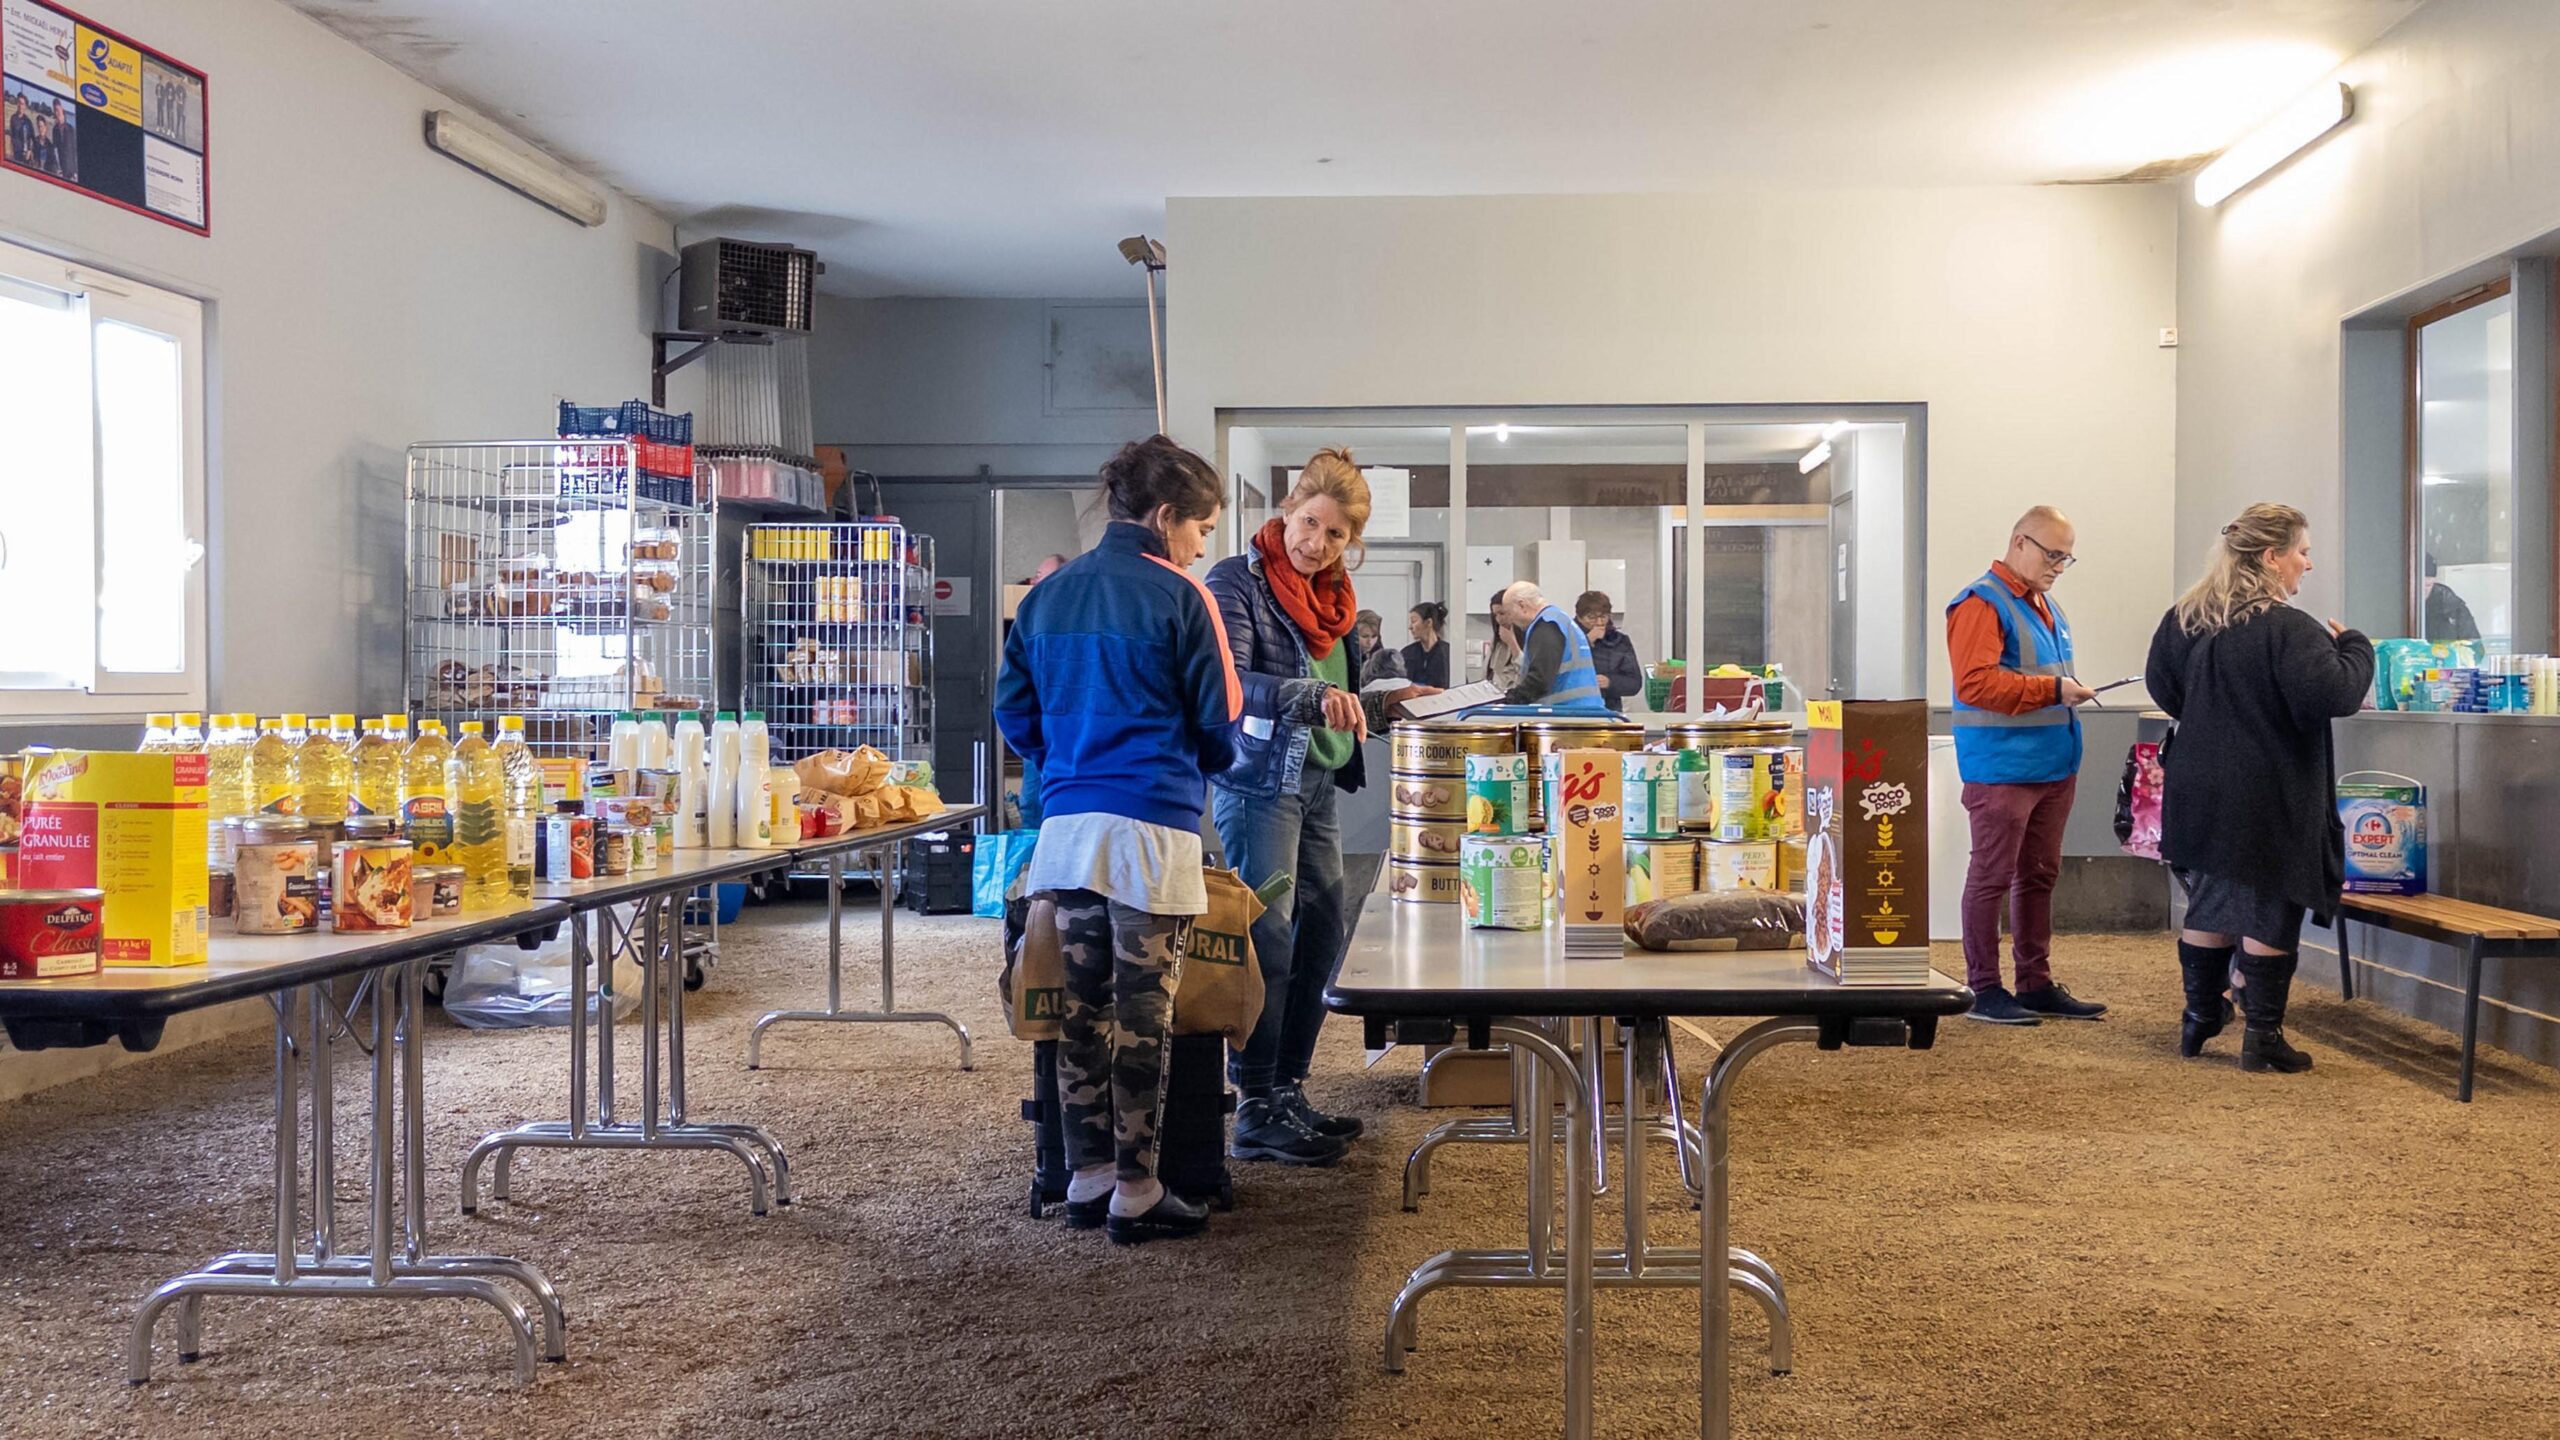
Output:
x,y
945,387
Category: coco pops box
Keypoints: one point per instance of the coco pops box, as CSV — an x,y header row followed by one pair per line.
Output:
x,y
1866,820
133,826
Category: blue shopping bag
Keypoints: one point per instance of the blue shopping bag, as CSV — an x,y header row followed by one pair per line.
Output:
x,y
1001,859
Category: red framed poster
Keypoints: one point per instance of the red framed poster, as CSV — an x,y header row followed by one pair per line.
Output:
x,y
91,110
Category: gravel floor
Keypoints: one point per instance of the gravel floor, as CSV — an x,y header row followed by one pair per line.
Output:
x,y
2062,1231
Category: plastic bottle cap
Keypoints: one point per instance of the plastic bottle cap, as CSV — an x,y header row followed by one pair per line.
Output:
x,y
471,727
295,718
728,715
511,722
271,724
396,722
189,717
756,715
342,722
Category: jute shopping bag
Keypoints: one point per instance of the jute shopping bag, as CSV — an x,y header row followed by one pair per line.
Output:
x,y
1220,991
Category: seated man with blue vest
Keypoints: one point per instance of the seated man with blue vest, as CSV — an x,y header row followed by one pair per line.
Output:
x,y
1556,669
2018,748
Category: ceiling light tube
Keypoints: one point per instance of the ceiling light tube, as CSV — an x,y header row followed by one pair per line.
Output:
x,y
2280,139
545,182
1814,459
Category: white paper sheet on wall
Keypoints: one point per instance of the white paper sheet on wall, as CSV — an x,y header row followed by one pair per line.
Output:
x,y
1390,502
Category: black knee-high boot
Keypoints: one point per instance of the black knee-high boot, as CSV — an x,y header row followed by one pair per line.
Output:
x,y
2207,970
2262,1001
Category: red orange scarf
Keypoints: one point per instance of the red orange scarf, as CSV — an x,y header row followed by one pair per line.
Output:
x,y
1322,604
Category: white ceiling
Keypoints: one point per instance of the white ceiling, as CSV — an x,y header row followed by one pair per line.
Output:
x,y
1002,147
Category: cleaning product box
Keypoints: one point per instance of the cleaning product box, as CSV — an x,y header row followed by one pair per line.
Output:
x,y
133,826
1589,841
1866,822
2385,817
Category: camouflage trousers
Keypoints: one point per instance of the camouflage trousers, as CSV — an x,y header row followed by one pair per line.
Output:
x,y
1122,964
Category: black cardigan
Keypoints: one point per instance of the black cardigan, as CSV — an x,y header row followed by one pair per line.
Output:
x,y
2252,776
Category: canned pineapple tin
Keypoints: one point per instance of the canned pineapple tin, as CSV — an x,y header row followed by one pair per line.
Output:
x,y
1497,794
1423,881
1427,797
1441,747
1502,880
1650,802
1429,841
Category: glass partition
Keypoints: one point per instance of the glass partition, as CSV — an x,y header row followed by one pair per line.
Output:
x,y
2465,460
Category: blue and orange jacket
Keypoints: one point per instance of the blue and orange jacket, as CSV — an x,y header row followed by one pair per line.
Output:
x,y
1118,684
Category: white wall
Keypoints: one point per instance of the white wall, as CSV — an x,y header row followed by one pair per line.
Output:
x,y
2026,320
2452,158
365,294
943,387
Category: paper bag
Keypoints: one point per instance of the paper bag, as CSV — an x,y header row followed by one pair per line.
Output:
x,y
1034,979
1219,990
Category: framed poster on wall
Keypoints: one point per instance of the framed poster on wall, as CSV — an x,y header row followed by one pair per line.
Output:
x,y
90,110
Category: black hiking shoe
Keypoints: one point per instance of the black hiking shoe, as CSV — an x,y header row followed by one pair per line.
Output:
x,y
1269,1130
1345,1128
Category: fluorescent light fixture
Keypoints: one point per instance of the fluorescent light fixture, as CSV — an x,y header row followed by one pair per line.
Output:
x,y
1814,459
2440,480
543,181
2291,131
1502,434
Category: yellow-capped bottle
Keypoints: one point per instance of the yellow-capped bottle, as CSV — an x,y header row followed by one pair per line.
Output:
x,y
378,762
158,729
272,790
226,784
521,778
188,738
479,821
324,770
426,809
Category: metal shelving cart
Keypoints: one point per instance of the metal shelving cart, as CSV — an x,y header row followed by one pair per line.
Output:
x,y
557,580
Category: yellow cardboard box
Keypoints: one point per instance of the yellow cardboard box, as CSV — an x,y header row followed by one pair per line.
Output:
x,y
133,826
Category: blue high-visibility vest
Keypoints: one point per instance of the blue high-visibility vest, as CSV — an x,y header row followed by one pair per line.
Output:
x,y
1577,682
2041,745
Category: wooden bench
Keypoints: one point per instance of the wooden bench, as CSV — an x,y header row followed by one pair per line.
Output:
x,y
2478,931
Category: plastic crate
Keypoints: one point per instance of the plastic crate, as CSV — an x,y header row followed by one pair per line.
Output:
x,y
635,418
657,457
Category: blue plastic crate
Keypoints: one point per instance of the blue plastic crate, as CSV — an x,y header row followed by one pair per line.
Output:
x,y
631,417
608,420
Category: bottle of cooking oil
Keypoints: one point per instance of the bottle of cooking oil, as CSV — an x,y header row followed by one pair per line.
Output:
x,y
271,781
480,820
426,809
377,761
522,783
188,738
157,729
297,728
226,785
325,770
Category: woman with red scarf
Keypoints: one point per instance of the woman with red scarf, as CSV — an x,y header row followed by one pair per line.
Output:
x,y
1288,607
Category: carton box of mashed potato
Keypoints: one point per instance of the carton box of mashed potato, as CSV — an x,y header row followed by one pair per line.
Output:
x,y
2386,823
133,826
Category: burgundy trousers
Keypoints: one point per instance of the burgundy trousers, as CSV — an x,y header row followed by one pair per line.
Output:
x,y
2017,854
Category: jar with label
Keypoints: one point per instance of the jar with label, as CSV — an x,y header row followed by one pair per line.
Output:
x,y
276,877
435,891
613,849
373,883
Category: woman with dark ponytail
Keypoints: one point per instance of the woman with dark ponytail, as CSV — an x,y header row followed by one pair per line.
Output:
x,y
2249,817
1426,660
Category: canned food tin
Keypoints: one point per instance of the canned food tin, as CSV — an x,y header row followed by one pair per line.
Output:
x,y
1704,735
1791,864
613,850
1753,793
276,877
1427,797
1650,805
1502,882
644,849
1497,794
1696,778
48,934
435,890
1660,869
1434,841
1441,747
1541,738
1423,880
372,827
1728,865
373,885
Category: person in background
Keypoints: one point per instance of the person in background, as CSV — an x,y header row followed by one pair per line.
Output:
x,y
2017,732
1117,685
1555,656
1502,652
1377,662
1426,660
1289,609
1613,654
2249,812
1048,566
2448,618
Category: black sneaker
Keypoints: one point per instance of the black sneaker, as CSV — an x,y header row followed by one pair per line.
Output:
x,y
1995,1005
1269,1130
2059,1003
1170,1218
1332,1127
1089,1214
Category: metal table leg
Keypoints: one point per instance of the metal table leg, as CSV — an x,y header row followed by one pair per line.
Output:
x,y
888,1013
286,1270
655,937
1715,1329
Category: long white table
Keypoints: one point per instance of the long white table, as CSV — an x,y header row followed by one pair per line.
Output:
x,y
1418,968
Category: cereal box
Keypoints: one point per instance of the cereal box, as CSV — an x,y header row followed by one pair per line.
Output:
x,y
1866,820
1590,852
133,826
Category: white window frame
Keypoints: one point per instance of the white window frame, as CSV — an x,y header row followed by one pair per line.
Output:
x,y
106,299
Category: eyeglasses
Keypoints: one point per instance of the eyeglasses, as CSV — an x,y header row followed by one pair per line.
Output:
x,y
2058,559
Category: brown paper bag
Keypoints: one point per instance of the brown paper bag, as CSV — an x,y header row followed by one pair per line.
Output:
x,y
1220,987
1034,979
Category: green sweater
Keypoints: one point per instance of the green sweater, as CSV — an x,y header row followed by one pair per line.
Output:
x,y
1331,749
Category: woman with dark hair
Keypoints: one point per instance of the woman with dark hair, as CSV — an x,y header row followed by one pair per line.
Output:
x,y
1426,660
1502,652
1117,686
2249,812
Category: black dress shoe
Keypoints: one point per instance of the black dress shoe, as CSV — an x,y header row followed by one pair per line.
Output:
x,y
1995,1005
2060,1004
1089,1214
1170,1218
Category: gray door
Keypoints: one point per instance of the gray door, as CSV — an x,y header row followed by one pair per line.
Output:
x,y
958,517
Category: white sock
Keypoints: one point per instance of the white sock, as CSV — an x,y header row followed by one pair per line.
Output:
x,y
1136,1197
1091,1183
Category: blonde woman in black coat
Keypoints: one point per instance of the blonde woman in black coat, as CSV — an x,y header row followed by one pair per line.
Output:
x,y
2249,817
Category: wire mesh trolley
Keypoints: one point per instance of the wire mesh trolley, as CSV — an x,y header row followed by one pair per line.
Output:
x,y
556,579
838,637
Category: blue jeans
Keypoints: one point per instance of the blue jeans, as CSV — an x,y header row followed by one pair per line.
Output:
x,y
1299,940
